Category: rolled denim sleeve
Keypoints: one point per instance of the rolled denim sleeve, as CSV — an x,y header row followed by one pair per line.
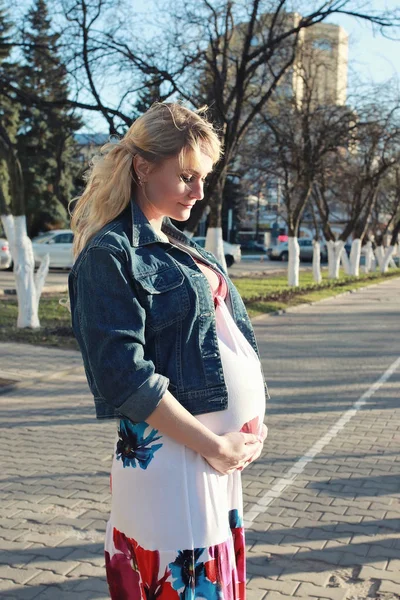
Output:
x,y
110,327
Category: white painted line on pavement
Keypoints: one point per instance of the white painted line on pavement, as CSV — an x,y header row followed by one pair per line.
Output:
x,y
262,503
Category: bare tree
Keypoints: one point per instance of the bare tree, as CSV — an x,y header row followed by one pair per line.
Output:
x,y
385,221
244,48
296,138
372,153
13,219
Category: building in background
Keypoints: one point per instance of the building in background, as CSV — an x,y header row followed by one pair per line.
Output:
x,y
323,61
319,73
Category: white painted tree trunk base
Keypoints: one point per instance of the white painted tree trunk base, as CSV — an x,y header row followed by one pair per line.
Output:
x,y
317,262
380,257
388,259
215,244
28,286
369,257
344,259
355,255
335,251
294,262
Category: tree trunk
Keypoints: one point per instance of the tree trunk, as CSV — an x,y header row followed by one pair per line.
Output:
x,y
13,219
379,256
369,257
214,241
355,257
344,259
388,259
214,244
28,287
335,251
317,262
294,262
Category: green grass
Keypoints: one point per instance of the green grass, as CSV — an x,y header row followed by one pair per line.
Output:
x,y
54,320
268,294
260,294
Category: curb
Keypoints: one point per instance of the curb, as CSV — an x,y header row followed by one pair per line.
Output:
x,y
50,289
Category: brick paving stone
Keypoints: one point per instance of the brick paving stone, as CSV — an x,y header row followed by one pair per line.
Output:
x,y
394,565
390,588
263,583
61,568
47,578
263,570
369,572
93,585
307,590
17,575
317,579
11,591
311,544
284,549
88,570
255,594
340,504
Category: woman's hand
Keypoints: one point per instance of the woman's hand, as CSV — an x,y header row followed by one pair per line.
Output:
x,y
258,452
235,450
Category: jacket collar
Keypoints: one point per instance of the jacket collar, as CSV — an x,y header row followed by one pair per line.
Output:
x,y
143,233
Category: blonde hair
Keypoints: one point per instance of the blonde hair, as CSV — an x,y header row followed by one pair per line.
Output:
x,y
163,131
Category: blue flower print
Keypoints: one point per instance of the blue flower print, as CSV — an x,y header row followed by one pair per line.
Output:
x,y
235,520
189,574
132,446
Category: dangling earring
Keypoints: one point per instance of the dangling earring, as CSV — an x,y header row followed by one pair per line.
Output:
x,y
140,181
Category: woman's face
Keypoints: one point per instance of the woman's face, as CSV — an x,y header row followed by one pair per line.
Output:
x,y
168,190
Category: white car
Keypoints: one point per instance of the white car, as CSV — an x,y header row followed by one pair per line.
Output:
x,y
5,255
281,251
58,244
233,252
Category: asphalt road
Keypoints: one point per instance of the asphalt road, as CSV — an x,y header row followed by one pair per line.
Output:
x,y
321,505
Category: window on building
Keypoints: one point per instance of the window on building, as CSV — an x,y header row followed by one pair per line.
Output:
x,y
322,45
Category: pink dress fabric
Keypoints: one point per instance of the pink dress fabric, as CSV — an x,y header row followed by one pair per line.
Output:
x,y
216,280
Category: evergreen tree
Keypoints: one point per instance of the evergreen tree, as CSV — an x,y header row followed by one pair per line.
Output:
x,y
9,108
46,144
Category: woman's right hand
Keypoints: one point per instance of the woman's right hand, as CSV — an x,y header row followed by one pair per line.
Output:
x,y
235,450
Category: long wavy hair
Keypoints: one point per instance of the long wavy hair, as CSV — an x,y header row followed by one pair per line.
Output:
x,y
163,131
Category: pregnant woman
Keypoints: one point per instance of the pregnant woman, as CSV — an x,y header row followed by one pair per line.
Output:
x,y
169,351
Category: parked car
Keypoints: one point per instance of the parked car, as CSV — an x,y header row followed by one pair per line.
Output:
x,y
253,245
5,255
58,244
281,251
232,252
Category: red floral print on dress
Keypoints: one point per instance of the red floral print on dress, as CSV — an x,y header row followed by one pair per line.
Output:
x,y
132,573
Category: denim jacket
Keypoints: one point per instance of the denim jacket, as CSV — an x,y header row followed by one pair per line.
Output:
x,y
143,315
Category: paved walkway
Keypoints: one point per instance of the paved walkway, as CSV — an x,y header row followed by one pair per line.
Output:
x,y
322,505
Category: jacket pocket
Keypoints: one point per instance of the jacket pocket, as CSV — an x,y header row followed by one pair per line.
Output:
x,y
165,297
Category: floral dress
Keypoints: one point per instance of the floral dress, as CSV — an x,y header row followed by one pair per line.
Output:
x,y
176,526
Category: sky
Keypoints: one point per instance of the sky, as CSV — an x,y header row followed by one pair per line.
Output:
x,y
371,56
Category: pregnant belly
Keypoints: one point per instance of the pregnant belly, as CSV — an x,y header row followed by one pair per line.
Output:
x,y
246,395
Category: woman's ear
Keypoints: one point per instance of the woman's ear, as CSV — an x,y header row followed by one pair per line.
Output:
x,y
142,167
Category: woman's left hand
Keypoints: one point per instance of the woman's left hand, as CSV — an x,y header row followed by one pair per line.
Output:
x,y
258,452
